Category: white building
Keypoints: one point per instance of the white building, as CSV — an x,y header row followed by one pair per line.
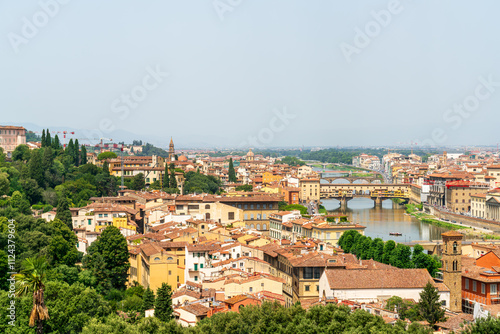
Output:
x,y
373,285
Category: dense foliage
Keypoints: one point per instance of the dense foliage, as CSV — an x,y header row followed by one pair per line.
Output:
x,y
291,161
200,183
397,255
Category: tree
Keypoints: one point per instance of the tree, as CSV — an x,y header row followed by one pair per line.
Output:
x,y
163,304
19,201
21,153
56,144
107,155
35,167
83,155
231,172
429,306
245,187
148,300
483,325
4,183
70,151
138,182
63,212
400,257
31,280
173,180
388,247
108,258
48,139
76,153
166,181
43,138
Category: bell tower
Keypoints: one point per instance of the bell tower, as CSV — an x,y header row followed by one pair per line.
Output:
x,y
452,267
171,150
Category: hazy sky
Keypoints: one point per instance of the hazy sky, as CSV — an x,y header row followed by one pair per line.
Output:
x,y
254,73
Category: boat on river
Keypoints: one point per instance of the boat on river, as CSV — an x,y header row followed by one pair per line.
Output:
x,y
396,233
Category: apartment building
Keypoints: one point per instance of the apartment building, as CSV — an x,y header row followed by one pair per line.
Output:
x,y
11,137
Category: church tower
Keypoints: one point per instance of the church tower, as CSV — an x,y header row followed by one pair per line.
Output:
x,y
171,151
452,267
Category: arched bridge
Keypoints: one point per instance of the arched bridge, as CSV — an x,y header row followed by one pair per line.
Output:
x,y
377,192
350,177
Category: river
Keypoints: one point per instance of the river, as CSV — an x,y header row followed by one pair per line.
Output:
x,y
380,222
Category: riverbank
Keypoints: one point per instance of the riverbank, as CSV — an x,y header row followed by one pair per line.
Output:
x,y
468,230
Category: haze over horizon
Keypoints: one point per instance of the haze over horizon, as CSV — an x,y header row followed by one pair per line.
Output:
x,y
254,74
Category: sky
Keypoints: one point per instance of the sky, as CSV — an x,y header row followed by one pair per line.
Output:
x,y
260,73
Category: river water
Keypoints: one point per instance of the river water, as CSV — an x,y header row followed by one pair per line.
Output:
x,y
380,222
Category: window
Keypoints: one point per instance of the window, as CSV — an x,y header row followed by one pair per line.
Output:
x,y
230,215
264,227
196,278
483,288
466,284
307,287
263,216
455,247
317,273
251,206
493,289
263,206
317,288
170,258
246,216
170,272
258,206
207,206
251,216
262,284
157,259
474,286
250,289
201,265
307,273
196,266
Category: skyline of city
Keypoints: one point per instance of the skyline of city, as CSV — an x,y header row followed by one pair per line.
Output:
x,y
319,77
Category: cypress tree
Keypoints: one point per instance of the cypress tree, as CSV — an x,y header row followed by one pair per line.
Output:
x,y
83,155
166,181
43,138
35,167
48,140
56,144
173,181
148,300
163,304
76,153
70,149
47,158
231,172
105,168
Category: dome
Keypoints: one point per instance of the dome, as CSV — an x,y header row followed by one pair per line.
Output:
x,y
183,158
250,153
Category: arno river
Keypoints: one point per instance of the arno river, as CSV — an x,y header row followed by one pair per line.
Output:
x,y
380,222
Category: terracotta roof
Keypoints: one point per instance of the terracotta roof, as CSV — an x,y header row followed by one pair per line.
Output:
x,y
196,309
378,278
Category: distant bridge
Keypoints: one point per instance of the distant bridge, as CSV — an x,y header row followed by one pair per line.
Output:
x,y
376,192
331,176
